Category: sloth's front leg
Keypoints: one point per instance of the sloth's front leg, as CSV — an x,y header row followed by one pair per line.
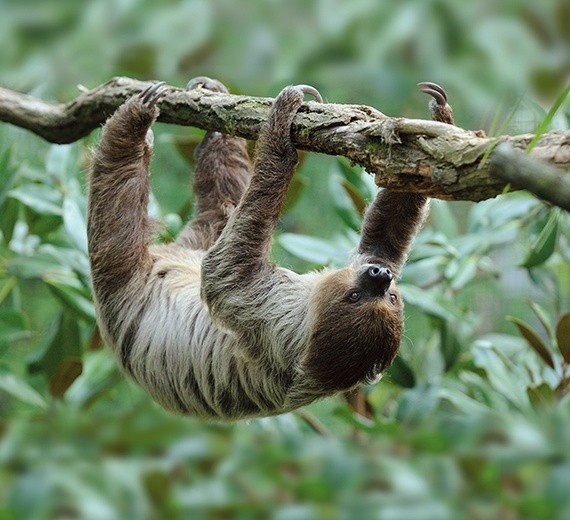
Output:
x,y
237,267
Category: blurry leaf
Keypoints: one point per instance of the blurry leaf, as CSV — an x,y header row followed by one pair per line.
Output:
x,y
465,272
357,199
61,160
312,249
12,325
401,373
418,403
20,389
450,345
343,203
74,223
426,301
66,258
31,267
8,217
157,486
72,295
361,181
533,340
42,225
541,395
542,316
505,124
9,284
563,336
63,342
7,175
545,243
543,127
99,375
295,190
424,271
41,199
186,146
506,377
67,372
173,226
443,218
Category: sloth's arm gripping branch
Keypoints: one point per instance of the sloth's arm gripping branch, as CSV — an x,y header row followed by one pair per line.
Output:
x,y
238,261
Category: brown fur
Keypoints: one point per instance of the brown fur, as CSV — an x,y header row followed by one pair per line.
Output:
x,y
207,325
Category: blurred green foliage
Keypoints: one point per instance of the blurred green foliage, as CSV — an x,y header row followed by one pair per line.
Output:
x,y
472,420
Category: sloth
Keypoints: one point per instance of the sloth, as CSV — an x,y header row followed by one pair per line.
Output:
x,y
207,324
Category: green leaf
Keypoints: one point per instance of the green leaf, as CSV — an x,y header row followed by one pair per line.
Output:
x,y
294,192
12,325
543,127
99,375
20,389
533,340
41,199
443,219
67,372
7,175
63,342
542,316
426,301
563,336
401,373
72,294
450,345
312,249
465,272
31,267
541,395
343,203
9,212
545,244
75,224
356,197
60,160
361,181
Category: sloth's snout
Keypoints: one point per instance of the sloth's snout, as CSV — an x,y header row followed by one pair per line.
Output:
x,y
378,278
380,273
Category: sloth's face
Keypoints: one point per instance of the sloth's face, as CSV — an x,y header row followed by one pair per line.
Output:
x,y
353,310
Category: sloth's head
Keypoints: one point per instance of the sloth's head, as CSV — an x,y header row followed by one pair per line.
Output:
x,y
353,310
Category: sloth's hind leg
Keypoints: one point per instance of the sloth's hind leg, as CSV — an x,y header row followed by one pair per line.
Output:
x,y
222,174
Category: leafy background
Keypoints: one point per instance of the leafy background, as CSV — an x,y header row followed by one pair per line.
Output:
x,y
473,419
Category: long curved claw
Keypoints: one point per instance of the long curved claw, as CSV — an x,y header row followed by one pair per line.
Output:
x,y
435,91
310,91
207,83
150,95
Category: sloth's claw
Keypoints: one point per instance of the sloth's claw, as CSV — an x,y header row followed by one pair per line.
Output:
x,y
310,91
435,91
152,94
206,83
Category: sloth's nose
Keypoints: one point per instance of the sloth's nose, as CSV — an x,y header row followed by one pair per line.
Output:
x,y
378,279
380,273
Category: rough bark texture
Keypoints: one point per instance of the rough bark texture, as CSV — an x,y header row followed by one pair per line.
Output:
x,y
427,157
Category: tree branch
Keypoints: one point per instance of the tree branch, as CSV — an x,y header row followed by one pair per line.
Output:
x,y
525,172
432,158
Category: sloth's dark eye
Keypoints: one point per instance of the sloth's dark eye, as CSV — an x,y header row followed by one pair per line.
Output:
x,y
393,297
353,296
